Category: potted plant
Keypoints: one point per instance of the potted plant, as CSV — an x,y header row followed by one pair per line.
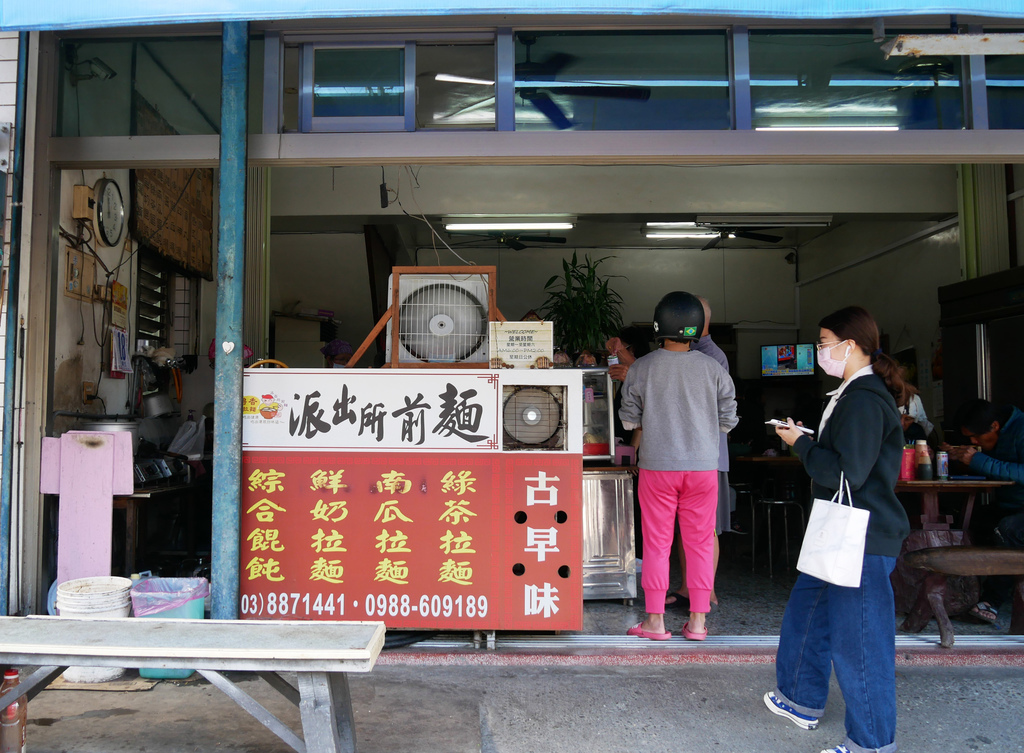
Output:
x,y
584,309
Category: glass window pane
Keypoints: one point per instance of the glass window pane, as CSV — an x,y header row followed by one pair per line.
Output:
x,y
358,83
842,80
622,81
1005,90
139,87
455,86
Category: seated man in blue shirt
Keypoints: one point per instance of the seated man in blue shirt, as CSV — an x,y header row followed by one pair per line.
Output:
x,y
996,451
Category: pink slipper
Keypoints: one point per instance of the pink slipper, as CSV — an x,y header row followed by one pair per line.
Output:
x,y
692,636
639,632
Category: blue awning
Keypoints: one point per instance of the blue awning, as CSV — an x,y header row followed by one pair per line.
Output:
x,y
24,15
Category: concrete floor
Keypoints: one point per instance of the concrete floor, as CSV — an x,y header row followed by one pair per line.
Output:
x,y
750,601
480,709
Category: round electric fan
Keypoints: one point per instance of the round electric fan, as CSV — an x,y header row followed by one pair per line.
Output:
x,y
532,416
442,322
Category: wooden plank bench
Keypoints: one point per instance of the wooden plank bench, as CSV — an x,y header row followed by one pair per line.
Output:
x,y
961,560
322,653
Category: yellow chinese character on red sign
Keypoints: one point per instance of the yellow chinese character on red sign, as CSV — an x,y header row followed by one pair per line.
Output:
x,y
265,538
458,511
389,543
327,480
332,512
394,482
265,510
268,481
269,569
458,544
392,572
389,511
459,484
330,571
323,542
458,573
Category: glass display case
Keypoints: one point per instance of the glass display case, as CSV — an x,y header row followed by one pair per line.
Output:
x,y
598,426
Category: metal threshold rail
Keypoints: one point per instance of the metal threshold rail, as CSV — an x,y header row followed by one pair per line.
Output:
x,y
591,644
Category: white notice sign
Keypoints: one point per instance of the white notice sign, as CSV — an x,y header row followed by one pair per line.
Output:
x,y
521,345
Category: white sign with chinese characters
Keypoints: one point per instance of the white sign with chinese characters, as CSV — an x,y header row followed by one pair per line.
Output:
x,y
342,409
521,345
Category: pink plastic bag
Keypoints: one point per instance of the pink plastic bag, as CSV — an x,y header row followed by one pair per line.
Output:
x,y
155,595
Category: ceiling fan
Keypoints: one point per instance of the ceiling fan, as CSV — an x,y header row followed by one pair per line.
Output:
x,y
515,241
747,234
546,71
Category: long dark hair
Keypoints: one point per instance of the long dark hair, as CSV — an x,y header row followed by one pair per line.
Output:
x,y
855,323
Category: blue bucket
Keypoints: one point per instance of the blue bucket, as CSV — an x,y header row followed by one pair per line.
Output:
x,y
169,599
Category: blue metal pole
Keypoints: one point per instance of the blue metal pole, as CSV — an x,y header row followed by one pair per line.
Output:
x,y
227,382
11,345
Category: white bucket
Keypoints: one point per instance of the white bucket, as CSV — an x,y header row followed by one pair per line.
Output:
x,y
94,598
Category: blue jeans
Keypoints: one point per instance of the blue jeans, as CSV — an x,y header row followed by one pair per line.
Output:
x,y
853,630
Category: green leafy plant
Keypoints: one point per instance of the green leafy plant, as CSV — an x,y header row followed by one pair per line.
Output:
x,y
584,309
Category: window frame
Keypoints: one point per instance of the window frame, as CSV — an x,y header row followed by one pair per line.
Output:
x,y
309,123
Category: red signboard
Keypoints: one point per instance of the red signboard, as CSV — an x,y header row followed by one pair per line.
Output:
x,y
478,541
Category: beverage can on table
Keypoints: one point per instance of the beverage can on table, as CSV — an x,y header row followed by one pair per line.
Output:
x,y
942,461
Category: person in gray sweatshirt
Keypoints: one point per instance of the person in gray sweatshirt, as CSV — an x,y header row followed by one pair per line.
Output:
x,y
682,400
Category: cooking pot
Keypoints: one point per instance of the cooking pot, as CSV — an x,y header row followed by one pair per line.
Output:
x,y
115,425
157,404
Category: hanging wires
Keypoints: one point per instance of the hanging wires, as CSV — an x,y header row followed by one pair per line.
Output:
x,y
414,183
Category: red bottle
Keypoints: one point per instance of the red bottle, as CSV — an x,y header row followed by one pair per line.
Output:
x,y
13,718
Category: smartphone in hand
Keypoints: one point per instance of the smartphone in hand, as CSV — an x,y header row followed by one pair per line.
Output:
x,y
777,422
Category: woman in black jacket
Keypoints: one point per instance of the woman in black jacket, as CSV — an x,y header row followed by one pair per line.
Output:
x,y
851,629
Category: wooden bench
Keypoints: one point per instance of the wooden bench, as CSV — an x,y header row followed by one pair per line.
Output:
x,y
961,560
320,652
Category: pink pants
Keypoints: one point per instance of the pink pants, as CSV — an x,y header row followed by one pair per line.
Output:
x,y
692,498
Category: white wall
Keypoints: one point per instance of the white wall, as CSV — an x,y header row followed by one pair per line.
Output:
x,y
79,324
323,272
745,287
900,288
526,189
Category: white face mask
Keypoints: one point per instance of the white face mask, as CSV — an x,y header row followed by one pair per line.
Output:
x,y
337,365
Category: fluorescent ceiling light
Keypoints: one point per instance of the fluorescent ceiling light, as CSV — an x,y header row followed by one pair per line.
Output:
x,y
828,128
673,225
765,220
462,79
476,225
669,235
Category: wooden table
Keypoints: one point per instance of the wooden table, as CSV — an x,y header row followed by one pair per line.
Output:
x,y
910,585
930,491
769,461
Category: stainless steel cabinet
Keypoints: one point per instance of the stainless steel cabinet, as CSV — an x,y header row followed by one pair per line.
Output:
x,y
609,563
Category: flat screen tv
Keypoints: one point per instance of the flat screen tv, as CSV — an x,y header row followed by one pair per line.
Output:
x,y
795,359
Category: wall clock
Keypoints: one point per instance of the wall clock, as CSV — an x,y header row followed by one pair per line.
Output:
x,y
110,217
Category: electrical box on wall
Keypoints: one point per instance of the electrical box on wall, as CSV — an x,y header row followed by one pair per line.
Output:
x,y
79,275
84,205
